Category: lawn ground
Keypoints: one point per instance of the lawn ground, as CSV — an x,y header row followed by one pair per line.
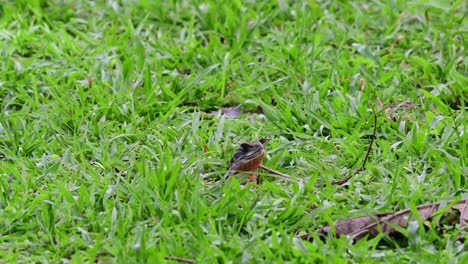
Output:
x,y
112,138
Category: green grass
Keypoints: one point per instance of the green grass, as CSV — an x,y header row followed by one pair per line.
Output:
x,y
109,148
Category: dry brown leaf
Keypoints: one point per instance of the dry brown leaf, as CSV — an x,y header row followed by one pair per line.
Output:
x,y
362,84
359,227
90,81
231,112
379,103
236,111
463,208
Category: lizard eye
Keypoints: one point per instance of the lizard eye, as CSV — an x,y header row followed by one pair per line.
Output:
x,y
245,146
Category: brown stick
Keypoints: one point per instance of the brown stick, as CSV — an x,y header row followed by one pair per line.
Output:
x,y
374,133
369,148
284,175
179,259
345,180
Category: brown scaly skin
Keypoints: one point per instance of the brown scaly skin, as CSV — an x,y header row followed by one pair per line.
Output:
x,y
248,157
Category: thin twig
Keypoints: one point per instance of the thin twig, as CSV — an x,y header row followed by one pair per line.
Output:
x,y
345,180
275,172
179,259
369,148
374,133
